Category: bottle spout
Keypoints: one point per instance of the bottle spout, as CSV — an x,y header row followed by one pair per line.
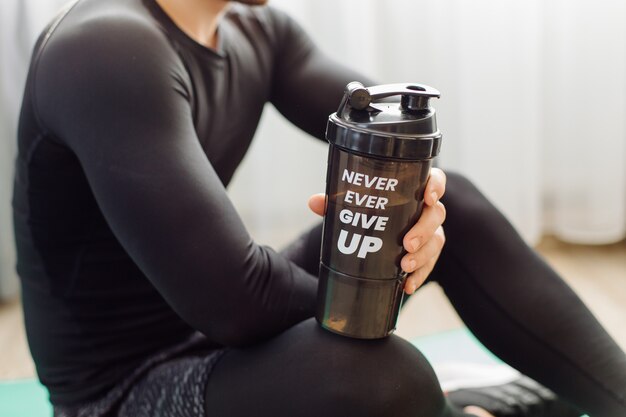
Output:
x,y
414,97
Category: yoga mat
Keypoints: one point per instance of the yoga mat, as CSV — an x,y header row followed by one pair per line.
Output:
x,y
24,398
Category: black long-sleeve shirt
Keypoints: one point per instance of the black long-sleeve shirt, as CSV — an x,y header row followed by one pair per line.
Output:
x,y
129,132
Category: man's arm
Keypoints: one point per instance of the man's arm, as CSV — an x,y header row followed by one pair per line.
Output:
x,y
307,87
117,100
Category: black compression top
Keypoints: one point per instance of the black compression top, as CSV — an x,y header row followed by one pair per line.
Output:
x,y
129,132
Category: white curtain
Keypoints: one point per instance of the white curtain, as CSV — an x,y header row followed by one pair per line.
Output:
x,y
532,110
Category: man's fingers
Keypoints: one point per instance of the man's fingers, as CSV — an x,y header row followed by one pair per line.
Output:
x,y
317,204
436,187
417,278
428,255
413,261
422,231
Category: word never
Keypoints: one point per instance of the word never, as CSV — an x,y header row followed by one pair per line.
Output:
x,y
379,183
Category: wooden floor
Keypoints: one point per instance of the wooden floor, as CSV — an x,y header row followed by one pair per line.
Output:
x,y
597,273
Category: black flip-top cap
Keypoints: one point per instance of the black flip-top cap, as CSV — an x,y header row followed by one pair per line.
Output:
x,y
388,121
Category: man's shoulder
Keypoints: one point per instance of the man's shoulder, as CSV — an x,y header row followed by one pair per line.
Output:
x,y
273,22
265,14
97,54
90,27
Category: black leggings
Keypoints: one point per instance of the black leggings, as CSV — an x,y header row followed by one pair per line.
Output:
x,y
509,298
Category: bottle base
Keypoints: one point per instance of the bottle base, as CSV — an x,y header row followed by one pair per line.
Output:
x,y
358,307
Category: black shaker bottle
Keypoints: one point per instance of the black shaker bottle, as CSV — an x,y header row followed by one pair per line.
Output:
x,y
382,143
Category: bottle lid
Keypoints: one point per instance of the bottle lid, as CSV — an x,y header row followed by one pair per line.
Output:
x,y
387,121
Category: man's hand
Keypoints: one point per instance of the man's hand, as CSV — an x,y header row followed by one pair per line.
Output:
x,y
425,239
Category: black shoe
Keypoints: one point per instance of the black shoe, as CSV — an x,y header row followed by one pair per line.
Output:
x,y
520,398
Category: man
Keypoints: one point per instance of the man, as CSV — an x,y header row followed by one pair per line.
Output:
x,y
135,116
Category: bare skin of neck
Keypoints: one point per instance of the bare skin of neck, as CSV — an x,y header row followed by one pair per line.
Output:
x,y
197,18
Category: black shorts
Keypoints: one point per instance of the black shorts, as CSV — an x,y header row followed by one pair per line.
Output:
x,y
170,383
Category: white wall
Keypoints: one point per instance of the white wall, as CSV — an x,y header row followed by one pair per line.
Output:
x,y
20,23
532,106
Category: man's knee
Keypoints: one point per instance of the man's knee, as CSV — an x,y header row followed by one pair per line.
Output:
x,y
387,377
309,371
